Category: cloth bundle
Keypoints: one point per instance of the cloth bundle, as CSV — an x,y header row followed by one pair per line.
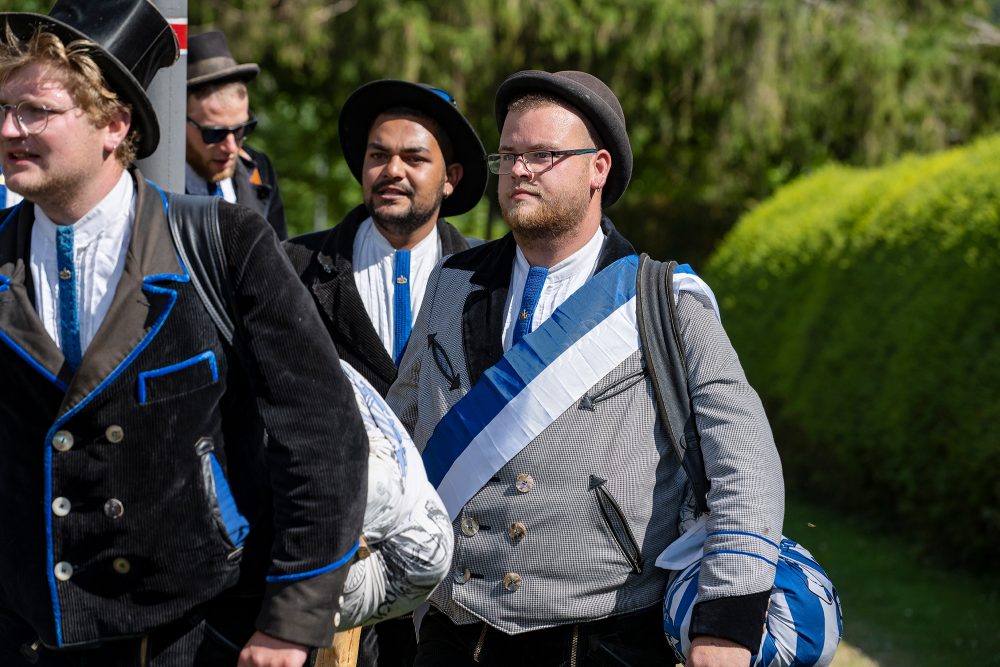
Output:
x,y
406,526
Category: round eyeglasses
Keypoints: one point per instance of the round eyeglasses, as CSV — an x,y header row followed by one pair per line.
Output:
x,y
29,117
535,161
213,135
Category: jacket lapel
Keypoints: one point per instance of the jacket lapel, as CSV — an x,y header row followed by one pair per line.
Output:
x,y
485,306
333,287
20,327
246,191
143,300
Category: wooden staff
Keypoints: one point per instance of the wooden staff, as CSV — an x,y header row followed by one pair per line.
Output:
x,y
344,652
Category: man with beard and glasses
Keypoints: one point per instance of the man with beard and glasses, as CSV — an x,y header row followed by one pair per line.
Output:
x,y
417,159
531,401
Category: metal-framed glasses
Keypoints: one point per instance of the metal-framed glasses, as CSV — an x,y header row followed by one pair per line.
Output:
x,y
534,161
213,135
29,117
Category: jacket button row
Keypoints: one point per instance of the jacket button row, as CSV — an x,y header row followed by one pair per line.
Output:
x,y
121,565
469,526
512,581
63,571
517,531
524,482
114,434
114,509
61,506
462,575
62,441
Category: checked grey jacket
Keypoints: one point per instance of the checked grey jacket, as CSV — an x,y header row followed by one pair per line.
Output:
x,y
605,487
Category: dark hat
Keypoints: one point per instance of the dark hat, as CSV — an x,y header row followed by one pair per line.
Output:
x,y
133,40
209,61
371,99
591,97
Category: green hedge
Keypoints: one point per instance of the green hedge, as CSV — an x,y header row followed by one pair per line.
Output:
x,y
864,305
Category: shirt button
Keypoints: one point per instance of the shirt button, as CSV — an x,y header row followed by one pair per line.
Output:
x,y
114,434
62,441
469,526
517,531
63,571
114,509
524,482
65,274
512,581
121,565
61,506
401,280
462,575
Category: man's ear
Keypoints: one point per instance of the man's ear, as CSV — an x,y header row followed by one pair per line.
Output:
x,y
601,170
117,129
453,174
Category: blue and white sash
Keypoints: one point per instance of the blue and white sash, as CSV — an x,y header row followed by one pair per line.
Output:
x,y
537,380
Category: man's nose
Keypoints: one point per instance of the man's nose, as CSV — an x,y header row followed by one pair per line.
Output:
x,y
9,127
520,168
230,144
395,167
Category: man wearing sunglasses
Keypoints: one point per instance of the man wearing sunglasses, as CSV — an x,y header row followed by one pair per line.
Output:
x,y
531,399
219,162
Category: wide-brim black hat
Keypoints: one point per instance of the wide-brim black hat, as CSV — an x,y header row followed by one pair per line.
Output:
x,y
371,99
593,99
133,42
209,61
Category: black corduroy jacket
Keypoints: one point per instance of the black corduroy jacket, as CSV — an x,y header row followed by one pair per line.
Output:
x,y
324,262
139,486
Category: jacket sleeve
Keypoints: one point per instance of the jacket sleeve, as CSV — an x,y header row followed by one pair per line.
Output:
x,y
317,448
746,499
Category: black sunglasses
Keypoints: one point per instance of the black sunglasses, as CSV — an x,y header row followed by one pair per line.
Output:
x,y
213,135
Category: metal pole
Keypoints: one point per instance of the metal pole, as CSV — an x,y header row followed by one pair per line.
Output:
x,y
168,93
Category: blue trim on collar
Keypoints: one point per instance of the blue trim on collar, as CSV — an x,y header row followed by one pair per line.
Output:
x,y
136,351
208,356
166,212
320,570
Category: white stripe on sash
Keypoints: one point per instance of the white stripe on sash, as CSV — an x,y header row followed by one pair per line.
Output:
x,y
538,379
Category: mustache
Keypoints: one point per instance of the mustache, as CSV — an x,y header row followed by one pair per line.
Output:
x,y
383,184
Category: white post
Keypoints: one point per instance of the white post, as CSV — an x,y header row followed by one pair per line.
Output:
x,y
168,93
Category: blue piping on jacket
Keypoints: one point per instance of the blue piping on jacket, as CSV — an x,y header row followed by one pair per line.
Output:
x,y
312,573
208,356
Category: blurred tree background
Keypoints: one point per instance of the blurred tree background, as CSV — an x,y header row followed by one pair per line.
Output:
x,y
726,100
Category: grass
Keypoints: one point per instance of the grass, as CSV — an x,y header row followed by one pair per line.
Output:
x,y
900,609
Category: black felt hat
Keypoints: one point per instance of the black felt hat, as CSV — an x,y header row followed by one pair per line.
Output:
x,y
371,99
592,97
209,61
133,40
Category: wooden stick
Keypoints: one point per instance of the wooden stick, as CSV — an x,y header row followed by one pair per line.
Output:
x,y
346,643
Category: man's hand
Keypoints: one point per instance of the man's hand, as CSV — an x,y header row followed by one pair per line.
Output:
x,y
266,651
716,652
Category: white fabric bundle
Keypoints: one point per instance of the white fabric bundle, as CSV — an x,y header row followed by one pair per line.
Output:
x,y
406,526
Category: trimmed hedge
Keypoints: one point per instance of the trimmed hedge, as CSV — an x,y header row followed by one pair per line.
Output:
x,y
864,306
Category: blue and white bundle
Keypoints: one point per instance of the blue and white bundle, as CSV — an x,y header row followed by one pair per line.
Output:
x,y
804,621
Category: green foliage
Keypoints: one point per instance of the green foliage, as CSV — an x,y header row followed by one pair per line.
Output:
x,y
863,305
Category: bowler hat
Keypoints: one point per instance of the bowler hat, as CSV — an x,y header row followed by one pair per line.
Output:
x,y
209,61
371,99
591,97
133,42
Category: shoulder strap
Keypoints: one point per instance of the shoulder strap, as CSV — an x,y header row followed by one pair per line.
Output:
x,y
194,226
667,364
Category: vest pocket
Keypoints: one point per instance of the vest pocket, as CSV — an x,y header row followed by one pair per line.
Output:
x,y
232,526
590,401
615,519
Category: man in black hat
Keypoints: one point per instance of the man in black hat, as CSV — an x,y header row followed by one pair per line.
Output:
x,y
219,161
147,521
531,399
417,159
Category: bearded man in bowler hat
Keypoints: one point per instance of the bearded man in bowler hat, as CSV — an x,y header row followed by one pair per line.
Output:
x,y
147,520
219,161
530,399
418,159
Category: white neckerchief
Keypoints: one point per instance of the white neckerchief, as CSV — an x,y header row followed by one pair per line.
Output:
x,y
194,184
100,243
562,280
373,274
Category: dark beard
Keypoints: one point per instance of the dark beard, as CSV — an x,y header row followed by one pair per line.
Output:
x,y
412,220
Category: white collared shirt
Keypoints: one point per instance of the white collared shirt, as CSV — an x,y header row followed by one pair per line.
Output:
x,y
100,243
562,280
196,185
373,257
